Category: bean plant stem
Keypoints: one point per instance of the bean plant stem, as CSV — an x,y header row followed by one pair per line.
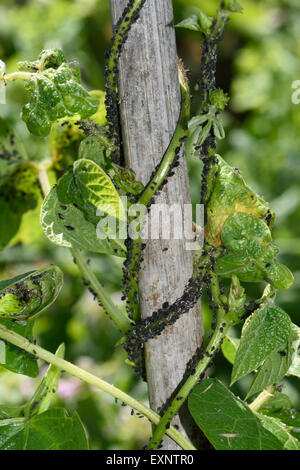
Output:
x,y
37,351
118,317
10,77
191,382
262,398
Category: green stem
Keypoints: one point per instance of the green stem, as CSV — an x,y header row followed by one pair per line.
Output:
x,y
262,398
150,191
10,77
224,320
117,316
191,382
180,132
91,379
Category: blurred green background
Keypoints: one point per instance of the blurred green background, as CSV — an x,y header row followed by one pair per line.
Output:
x,y
258,62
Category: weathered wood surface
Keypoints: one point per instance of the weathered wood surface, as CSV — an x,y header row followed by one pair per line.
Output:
x,y
150,104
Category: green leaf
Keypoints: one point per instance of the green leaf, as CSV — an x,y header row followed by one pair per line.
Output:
x,y
197,120
275,366
91,149
231,195
51,430
97,190
100,115
192,22
218,99
205,22
288,416
191,141
229,424
229,348
26,297
17,360
231,6
43,395
218,129
295,366
200,22
277,402
65,224
250,252
55,92
266,331
279,430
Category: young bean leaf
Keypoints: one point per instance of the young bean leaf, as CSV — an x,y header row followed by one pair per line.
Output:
x,y
66,224
265,332
229,348
275,366
231,195
250,252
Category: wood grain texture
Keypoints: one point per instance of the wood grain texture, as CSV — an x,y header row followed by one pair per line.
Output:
x,y
150,105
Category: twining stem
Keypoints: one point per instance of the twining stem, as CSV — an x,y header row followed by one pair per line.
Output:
x,y
191,382
10,77
149,192
262,398
118,317
26,345
223,321
180,132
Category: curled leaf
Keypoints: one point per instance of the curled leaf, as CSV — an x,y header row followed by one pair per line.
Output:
x,y
231,195
25,297
251,253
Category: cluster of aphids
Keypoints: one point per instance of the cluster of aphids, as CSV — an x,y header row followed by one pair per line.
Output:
x,y
112,100
134,258
131,269
175,163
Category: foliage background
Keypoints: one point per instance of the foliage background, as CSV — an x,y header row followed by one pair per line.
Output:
x,y
259,59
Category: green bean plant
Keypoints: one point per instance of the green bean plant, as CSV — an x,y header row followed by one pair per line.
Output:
x,y
84,136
